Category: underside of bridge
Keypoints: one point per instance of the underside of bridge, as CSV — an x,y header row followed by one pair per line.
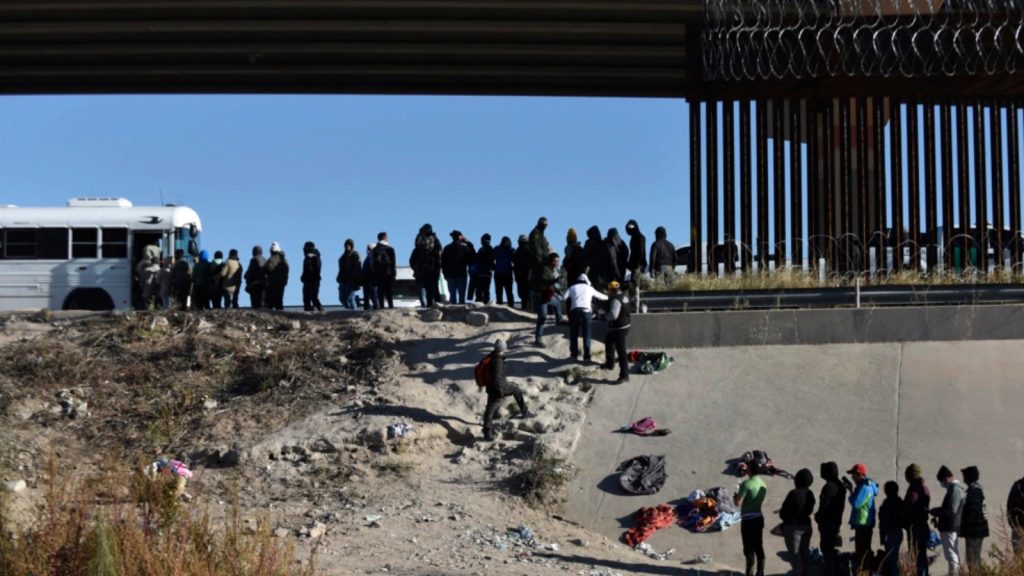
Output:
x,y
859,135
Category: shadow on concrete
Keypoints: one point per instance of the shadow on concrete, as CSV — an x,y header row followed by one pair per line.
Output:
x,y
611,485
631,567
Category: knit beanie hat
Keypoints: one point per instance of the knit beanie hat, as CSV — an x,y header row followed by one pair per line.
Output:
x,y
499,346
571,236
913,472
944,473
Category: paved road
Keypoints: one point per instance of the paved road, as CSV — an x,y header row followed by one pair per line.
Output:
x,y
955,403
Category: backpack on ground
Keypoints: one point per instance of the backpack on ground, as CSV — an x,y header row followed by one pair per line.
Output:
x,y
482,373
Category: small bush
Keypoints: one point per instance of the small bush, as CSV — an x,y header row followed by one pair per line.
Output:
x,y
542,483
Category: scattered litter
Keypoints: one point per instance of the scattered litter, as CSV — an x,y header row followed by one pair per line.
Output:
x,y
705,559
651,553
523,534
399,430
373,520
553,547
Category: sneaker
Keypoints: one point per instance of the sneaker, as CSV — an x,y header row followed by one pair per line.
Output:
x,y
488,436
539,344
587,361
524,415
574,358
622,380
607,367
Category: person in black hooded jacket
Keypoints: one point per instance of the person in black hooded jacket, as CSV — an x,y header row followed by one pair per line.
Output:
x,y
600,266
425,262
620,252
663,253
796,521
1015,514
891,522
521,262
829,517
311,278
974,522
637,263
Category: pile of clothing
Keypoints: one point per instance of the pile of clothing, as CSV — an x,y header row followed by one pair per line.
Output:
x,y
711,511
642,474
650,362
649,521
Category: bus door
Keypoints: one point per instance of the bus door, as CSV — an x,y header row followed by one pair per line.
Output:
x,y
143,244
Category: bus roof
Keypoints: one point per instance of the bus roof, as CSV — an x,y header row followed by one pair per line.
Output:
x,y
101,214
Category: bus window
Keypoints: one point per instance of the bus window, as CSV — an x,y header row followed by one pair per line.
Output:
x,y
115,242
20,244
53,244
33,243
85,243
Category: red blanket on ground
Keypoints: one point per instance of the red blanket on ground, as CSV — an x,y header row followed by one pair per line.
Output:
x,y
649,521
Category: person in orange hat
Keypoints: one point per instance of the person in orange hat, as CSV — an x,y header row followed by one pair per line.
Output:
x,y
862,513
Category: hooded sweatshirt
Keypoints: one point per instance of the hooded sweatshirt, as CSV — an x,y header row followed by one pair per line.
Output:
x,y
799,503
951,511
582,294
915,506
830,509
621,253
1015,504
503,257
637,248
862,504
598,257
663,253
974,523
311,265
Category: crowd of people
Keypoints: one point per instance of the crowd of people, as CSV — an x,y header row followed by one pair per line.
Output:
x,y
962,515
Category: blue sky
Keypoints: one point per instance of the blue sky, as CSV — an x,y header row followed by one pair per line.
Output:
x,y
325,168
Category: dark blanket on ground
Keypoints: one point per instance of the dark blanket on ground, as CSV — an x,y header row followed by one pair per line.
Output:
x,y
643,474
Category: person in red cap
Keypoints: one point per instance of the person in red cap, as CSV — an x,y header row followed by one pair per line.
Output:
x,y
862,513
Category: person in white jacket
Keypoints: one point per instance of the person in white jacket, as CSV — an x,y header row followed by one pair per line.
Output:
x,y
580,297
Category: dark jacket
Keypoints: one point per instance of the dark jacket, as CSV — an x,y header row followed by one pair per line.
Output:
x,y
890,516
547,283
485,260
620,252
663,252
951,511
181,275
915,507
350,269
539,250
637,248
799,503
454,259
1015,504
255,276
599,258
384,271
521,262
574,262
833,501
618,312
277,270
425,260
503,256
499,382
311,266
202,274
974,522
367,275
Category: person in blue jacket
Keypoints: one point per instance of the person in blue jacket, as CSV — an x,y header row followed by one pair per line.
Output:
x,y
503,273
862,514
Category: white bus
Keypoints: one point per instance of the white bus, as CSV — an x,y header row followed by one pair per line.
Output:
x,y
82,256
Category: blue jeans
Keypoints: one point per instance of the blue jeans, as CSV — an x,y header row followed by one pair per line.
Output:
x,y
457,290
370,298
542,312
347,296
579,324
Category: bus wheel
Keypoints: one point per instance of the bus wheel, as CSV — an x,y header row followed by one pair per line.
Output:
x,y
88,299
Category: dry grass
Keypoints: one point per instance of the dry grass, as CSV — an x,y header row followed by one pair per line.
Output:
x,y
793,279
142,530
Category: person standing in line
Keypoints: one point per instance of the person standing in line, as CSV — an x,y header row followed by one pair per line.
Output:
x,y
311,277
231,279
202,280
276,271
503,264
166,274
547,292
598,257
150,281
637,264
1015,515
181,280
384,271
539,261
862,514
217,281
499,388
369,281
618,330
890,528
425,262
974,523
484,268
796,522
947,518
256,278
829,517
749,498
916,504
573,260
663,254
581,296
454,260
620,253
521,263
349,273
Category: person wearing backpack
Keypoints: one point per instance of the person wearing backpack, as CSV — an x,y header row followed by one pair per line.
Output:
x,y
490,375
1015,515
521,268
829,517
948,516
384,271
425,262
916,503
974,523
276,271
862,514
369,282
890,528
349,273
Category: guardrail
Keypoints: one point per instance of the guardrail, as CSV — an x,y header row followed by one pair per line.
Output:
x,y
852,297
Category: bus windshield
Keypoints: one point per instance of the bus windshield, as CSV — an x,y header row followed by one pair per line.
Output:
x,y
187,240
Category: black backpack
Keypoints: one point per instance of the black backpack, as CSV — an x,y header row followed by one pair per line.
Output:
x,y
381,260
